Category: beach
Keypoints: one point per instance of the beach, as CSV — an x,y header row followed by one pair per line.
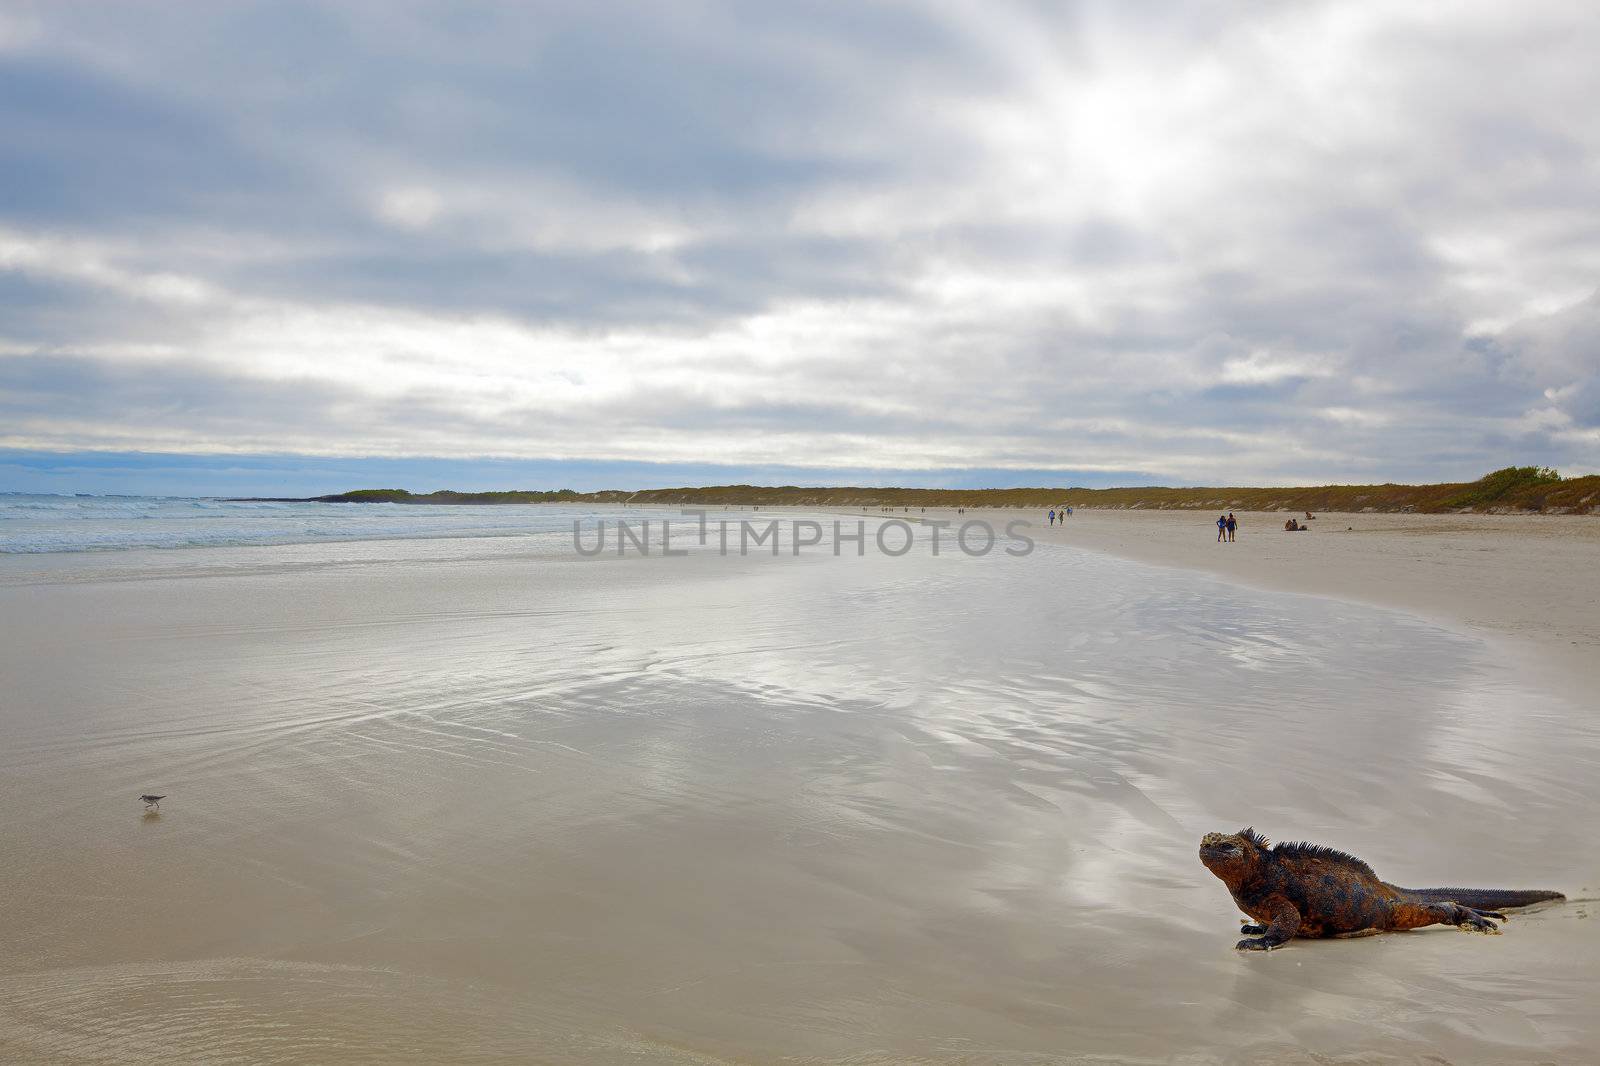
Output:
x,y
1525,582
479,799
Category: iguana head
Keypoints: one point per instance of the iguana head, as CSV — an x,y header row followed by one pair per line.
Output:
x,y
1233,856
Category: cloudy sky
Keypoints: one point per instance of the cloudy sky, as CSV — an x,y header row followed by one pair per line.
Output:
x,y
1199,242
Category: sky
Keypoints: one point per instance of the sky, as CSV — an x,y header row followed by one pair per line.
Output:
x,y
290,248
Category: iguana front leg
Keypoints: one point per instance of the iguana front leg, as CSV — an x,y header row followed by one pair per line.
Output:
x,y
1283,923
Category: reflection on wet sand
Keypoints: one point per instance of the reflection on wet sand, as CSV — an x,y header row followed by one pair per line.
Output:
x,y
488,809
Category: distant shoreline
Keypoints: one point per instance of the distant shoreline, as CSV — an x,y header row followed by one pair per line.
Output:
x,y
1514,490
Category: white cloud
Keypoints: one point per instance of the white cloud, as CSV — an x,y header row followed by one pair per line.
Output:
x,y
412,207
973,235
87,261
1263,368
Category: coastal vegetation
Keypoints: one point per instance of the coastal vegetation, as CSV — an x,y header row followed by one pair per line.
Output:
x,y
1515,489
447,496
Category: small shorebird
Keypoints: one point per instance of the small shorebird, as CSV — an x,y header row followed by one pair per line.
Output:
x,y
152,803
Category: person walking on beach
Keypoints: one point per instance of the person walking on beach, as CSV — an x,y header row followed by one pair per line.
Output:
x,y
1052,516
1222,528
1233,524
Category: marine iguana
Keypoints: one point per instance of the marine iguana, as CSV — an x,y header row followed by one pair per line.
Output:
x,y
1309,890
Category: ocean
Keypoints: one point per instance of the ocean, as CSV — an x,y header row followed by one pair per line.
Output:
x,y
48,523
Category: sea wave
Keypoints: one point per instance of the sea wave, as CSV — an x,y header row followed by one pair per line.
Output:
x,y
31,524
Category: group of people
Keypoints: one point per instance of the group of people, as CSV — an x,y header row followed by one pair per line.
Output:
x,y
1061,514
1227,526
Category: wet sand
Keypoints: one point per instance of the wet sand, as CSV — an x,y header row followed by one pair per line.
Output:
x,y
461,804
1529,578
1525,583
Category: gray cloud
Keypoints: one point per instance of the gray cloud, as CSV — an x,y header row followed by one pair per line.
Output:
x,y
1228,242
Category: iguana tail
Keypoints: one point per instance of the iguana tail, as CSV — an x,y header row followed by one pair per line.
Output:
x,y
1479,899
